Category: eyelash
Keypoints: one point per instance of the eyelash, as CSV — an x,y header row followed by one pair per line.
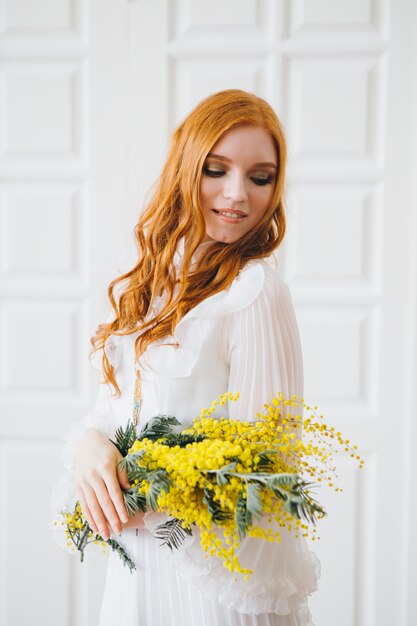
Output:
x,y
218,173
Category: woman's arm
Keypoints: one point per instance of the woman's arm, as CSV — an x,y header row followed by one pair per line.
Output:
x,y
98,479
264,350
98,483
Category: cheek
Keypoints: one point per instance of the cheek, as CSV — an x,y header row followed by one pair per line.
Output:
x,y
261,199
208,189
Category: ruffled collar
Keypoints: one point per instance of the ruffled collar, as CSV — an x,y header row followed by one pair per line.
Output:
x,y
176,357
179,253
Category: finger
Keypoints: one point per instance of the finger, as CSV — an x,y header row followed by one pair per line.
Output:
x,y
85,509
115,493
123,478
87,514
97,512
106,503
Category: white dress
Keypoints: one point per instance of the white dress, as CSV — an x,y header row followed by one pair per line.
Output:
x,y
244,339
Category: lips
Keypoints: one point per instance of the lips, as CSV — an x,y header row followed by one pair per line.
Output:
x,y
230,213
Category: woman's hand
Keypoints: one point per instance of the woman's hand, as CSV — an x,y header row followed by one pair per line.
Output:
x,y
99,482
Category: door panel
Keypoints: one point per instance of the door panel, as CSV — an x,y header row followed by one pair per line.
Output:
x,y
90,93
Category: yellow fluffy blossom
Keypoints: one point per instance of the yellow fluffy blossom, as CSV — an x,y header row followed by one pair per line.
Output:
x,y
221,475
225,477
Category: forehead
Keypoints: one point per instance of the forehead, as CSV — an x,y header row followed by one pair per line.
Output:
x,y
249,143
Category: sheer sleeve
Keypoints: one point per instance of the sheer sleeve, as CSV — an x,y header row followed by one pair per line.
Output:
x,y
101,417
63,497
261,342
264,349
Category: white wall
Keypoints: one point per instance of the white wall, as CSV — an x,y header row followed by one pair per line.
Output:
x,y
89,93
63,171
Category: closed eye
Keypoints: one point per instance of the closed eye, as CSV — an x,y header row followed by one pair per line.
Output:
x,y
258,180
262,181
213,173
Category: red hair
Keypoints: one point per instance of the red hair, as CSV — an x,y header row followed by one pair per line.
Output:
x,y
174,212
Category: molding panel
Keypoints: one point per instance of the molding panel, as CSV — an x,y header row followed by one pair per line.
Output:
x,y
326,12
42,23
349,19
43,237
41,348
24,15
193,80
322,92
44,113
353,216
341,358
197,21
347,546
17,573
47,118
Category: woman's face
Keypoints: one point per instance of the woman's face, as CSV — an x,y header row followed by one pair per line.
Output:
x,y
237,182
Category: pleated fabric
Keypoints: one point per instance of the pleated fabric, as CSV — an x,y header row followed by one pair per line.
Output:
x,y
264,349
158,595
244,339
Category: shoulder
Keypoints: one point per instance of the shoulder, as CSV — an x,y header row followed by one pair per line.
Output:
x,y
266,282
269,313
257,280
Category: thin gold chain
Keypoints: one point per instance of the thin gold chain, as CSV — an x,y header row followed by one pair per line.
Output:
x,y
137,400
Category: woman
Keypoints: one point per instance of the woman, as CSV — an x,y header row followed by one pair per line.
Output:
x,y
201,313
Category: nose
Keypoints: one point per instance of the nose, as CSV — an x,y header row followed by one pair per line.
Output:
x,y
235,188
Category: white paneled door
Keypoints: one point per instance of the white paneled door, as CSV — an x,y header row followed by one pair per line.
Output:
x,y
89,92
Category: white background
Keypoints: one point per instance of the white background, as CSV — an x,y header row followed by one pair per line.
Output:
x,y
89,92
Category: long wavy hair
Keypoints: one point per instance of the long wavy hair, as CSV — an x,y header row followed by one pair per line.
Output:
x,y
174,213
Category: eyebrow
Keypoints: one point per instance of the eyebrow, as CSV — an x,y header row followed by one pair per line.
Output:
x,y
211,155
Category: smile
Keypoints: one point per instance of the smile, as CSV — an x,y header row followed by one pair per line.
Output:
x,y
234,215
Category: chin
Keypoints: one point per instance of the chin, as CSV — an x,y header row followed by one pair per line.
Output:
x,y
223,237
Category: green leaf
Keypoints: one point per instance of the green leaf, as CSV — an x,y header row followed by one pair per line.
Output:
x,y
303,505
241,516
134,501
181,439
292,490
158,426
172,533
222,479
158,482
218,513
138,474
126,560
253,499
234,459
287,480
124,438
265,462
129,463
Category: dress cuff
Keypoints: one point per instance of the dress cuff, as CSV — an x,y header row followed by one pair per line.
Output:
x,y
284,573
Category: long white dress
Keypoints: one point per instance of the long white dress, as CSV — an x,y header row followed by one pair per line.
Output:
x,y
244,339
